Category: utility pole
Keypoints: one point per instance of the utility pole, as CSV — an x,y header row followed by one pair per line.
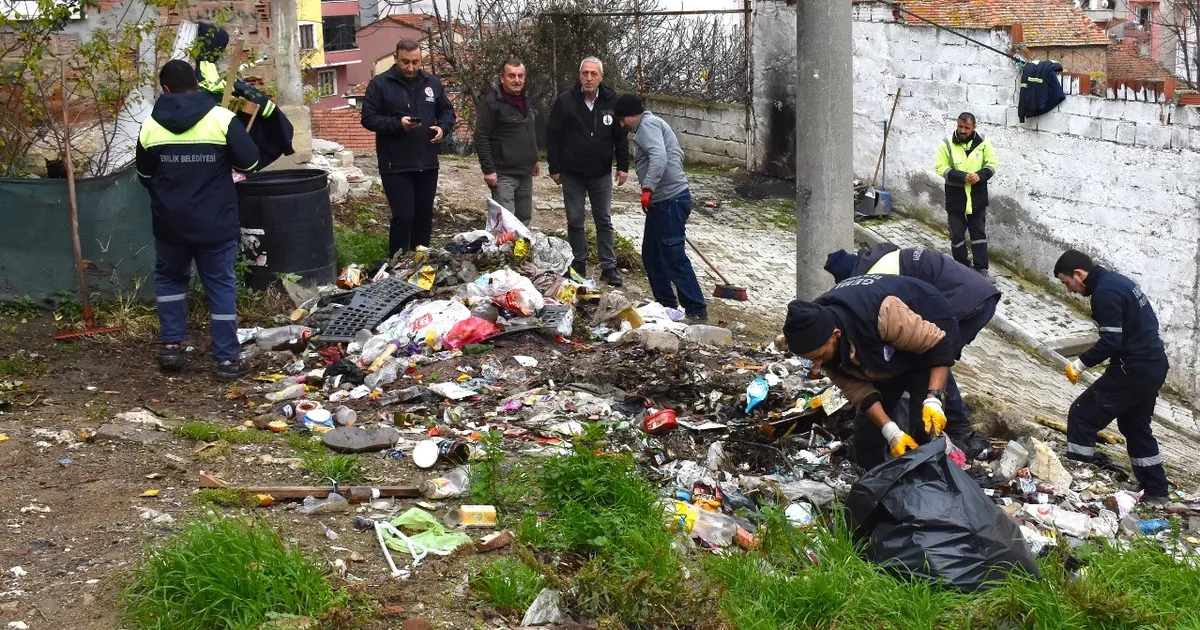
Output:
x,y
824,140
289,95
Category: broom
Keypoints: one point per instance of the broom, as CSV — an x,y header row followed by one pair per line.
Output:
x,y
725,290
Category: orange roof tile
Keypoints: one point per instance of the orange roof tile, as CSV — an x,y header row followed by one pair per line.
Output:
x,y
1124,62
1046,23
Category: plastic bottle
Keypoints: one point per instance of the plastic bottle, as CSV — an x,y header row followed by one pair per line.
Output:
x,y
384,376
295,390
446,487
330,504
294,338
373,347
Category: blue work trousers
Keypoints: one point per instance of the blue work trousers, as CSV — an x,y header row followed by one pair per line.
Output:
x,y
173,270
665,256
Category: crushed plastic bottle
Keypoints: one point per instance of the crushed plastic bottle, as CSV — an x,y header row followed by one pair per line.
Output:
x,y
334,503
385,375
448,487
295,390
294,338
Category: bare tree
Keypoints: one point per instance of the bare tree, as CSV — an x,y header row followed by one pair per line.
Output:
x,y
1180,20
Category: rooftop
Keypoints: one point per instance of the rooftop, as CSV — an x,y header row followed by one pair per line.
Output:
x,y
1045,23
1124,62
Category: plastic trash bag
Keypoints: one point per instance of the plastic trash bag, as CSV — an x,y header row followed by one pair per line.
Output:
x,y
469,331
552,253
500,220
428,322
921,516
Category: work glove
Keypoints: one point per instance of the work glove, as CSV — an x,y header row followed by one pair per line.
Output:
x,y
934,416
646,192
1074,369
899,441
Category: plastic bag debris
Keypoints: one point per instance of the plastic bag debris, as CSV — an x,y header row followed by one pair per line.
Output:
x,y
469,331
545,610
800,514
921,516
550,252
756,392
451,390
331,504
500,220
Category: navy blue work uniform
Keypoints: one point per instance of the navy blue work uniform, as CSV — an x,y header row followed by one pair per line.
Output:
x,y
1128,389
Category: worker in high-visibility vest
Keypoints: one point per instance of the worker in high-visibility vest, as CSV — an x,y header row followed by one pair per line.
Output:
x,y
966,161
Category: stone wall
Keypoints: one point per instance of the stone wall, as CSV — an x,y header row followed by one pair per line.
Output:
x,y
1114,177
709,133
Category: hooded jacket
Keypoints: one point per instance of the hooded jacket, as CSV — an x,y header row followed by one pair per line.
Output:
x,y
955,160
1041,90
390,97
185,151
504,137
891,325
963,287
1127,323
583,142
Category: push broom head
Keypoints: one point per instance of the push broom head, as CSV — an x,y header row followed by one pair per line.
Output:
x,y
730,292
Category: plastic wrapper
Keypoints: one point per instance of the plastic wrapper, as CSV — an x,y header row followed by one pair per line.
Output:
x,y
334,503
756,392
468,331
520,301
428,322
500,220
552,253
920,516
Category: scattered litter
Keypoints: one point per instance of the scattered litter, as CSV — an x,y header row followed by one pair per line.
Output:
x,y
545,610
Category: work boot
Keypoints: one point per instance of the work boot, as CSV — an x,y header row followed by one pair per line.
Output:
x,y
232,370
170,357
698,318
611,276
1160,500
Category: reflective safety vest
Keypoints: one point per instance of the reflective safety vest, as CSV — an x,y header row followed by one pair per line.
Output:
x,y
888,264
211,81
955,161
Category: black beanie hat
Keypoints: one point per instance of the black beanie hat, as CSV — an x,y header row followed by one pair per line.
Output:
x,y
808,326
628,105
840,264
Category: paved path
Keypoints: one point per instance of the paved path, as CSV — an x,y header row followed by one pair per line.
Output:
x,y
1019,385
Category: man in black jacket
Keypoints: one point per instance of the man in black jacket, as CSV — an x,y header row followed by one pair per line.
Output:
x,y
184,154
408,110
1137,369
582,137
506,144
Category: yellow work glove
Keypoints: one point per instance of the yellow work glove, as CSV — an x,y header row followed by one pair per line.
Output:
x,y
933,416
899,441
1074,369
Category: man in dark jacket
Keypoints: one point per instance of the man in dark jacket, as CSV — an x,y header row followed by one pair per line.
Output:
x,y
966,161
506,143
1137,369
185,151
878,337
972,298
408,110
582,137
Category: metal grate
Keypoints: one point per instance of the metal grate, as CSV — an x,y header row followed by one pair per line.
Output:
x,y
369,306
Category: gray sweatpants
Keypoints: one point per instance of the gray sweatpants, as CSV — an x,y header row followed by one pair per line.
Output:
x,y
515,192
576,190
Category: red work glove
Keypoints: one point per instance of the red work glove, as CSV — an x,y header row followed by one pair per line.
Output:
x,y
646,192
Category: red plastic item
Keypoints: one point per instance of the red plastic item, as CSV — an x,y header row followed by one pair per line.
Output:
x,y
468,331
660,423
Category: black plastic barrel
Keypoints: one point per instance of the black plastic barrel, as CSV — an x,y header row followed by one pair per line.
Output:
x,y
292,209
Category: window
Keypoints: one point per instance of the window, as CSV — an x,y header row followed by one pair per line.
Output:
x,y
339,33
326,82
1143,16
308,37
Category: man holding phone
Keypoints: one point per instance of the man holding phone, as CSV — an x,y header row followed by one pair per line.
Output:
x,y
408,110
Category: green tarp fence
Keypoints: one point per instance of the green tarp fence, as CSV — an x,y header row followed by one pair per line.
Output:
x,y
36,255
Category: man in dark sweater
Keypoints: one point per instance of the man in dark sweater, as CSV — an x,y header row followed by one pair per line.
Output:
x,y
408,110
1137,369
506,144
582,138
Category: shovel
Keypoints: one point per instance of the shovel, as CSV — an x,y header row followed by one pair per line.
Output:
x,y
873,196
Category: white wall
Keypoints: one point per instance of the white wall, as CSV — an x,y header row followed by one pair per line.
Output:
x,y
1119,180
708,133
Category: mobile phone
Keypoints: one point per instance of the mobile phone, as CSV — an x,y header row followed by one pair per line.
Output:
x,y
414,119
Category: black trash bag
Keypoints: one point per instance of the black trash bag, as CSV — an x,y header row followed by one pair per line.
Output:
x,y
921,516
349,370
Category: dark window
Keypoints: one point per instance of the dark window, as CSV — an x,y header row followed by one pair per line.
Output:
x,y
339,33
307,39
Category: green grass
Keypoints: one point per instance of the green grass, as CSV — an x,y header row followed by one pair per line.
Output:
x,y
20,365
780,587
303,444
224,573
225,497
207,432
23,308
509,584
340,468
363,247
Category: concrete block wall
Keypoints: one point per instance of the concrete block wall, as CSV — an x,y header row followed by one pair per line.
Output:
x,y
1117,179
709,133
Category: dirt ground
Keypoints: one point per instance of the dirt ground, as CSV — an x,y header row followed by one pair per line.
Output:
x,y
75,522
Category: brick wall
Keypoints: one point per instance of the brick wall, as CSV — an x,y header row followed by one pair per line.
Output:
x,y
1111,175
343,127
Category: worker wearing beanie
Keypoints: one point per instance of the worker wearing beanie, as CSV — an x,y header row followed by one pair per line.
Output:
x,y
877,337
667,203
972,297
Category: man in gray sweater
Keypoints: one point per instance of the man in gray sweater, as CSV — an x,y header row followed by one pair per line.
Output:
x,y
667,203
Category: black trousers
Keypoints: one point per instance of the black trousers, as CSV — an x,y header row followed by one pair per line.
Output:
x,y
870,447
1126,393
975,224
410,196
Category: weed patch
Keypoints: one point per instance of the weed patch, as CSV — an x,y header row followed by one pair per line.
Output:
x,y
22,364
224,573
206,432
340,468
23,308
358,246
509,584
225,497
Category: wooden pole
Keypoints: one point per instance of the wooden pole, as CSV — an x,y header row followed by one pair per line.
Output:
x,y
84,298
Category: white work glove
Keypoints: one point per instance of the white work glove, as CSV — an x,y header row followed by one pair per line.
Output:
x,y
899,441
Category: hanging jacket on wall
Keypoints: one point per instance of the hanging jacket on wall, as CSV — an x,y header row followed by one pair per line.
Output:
x,y
1040,89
